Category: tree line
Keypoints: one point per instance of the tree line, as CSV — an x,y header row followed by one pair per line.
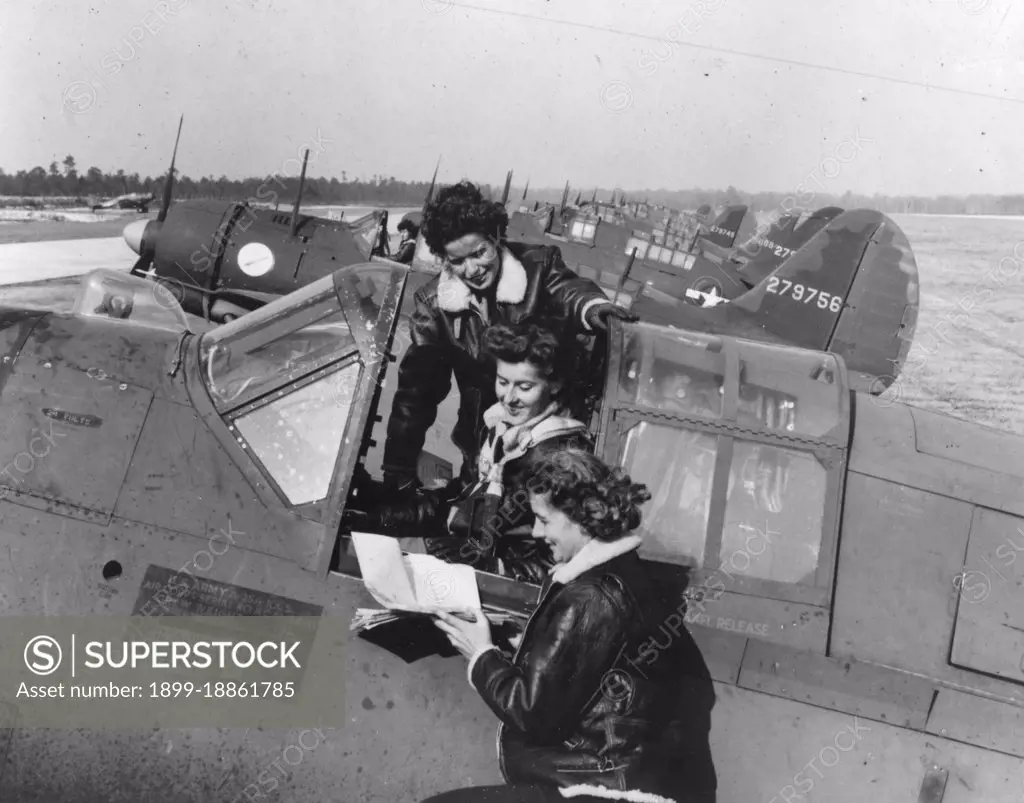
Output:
x,y
62,184
63,181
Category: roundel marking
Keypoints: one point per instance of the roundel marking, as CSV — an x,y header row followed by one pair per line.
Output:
x,y
255,259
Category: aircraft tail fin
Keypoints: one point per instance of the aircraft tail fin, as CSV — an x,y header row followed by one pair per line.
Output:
x,y
726,226
810,225
802,300
771,248
876,327
777,232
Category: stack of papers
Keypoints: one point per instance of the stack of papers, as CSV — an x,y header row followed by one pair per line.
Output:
x,y
414,584
368,618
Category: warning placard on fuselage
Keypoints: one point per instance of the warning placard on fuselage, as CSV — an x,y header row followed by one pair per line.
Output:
x,y
182,596
166,592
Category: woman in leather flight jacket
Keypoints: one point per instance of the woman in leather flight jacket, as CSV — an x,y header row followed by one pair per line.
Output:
x,y
486,522
600,701
485,280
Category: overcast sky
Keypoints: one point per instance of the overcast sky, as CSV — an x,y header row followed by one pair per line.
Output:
x,y
889,96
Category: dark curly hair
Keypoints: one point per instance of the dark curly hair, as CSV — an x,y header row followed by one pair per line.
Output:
x,y
539,342
458,210
602,499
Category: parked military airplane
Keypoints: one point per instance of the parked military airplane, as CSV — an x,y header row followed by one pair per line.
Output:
x,y
826,547
222,259
564,222
139,201
719,274
852,288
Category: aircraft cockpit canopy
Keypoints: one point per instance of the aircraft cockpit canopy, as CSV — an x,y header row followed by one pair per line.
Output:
x,y
733,438
289,376
681,372
366,231
583,229
122,297
659,246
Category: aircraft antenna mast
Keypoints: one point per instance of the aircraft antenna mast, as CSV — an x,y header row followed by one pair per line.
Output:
x,y
298,198
433,181
625,273
169,184
508,188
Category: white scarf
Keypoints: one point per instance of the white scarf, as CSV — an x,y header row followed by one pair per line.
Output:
x,y
517,440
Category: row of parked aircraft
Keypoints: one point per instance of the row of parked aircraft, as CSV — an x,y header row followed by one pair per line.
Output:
x,y
843,281
849,653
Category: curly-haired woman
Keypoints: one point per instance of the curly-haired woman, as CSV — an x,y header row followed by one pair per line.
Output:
x,y
485,279
487,522
583,715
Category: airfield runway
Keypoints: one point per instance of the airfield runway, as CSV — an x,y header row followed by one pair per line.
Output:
x,y
54,259
968,354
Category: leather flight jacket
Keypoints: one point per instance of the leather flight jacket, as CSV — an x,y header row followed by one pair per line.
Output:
x,y
446,331
490,534
590,699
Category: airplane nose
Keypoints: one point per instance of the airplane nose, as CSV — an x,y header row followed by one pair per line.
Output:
x,y
135,235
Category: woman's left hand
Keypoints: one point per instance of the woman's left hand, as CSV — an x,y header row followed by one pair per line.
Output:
x,y
466,637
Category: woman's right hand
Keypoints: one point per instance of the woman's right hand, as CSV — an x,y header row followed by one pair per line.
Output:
x,y
466,637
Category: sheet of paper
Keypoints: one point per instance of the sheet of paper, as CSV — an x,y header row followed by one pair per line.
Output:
x,y
443,586
384,573
418,583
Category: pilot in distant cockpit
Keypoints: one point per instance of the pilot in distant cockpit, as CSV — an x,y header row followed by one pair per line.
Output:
x,y
407,246
115,305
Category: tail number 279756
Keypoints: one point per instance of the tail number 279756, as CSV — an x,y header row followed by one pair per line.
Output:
x,y
800,292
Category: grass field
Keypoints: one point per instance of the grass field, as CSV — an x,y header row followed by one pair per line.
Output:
x,y
968,353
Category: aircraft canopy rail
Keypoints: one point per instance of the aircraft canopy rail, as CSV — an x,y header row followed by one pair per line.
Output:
x,y
120,296
274,344
743,447
280,342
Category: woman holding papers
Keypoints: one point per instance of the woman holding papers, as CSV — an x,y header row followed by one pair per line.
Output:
x,y
487,523
606,697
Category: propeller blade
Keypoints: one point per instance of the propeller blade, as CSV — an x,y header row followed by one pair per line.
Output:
x,y
169,185
142,264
